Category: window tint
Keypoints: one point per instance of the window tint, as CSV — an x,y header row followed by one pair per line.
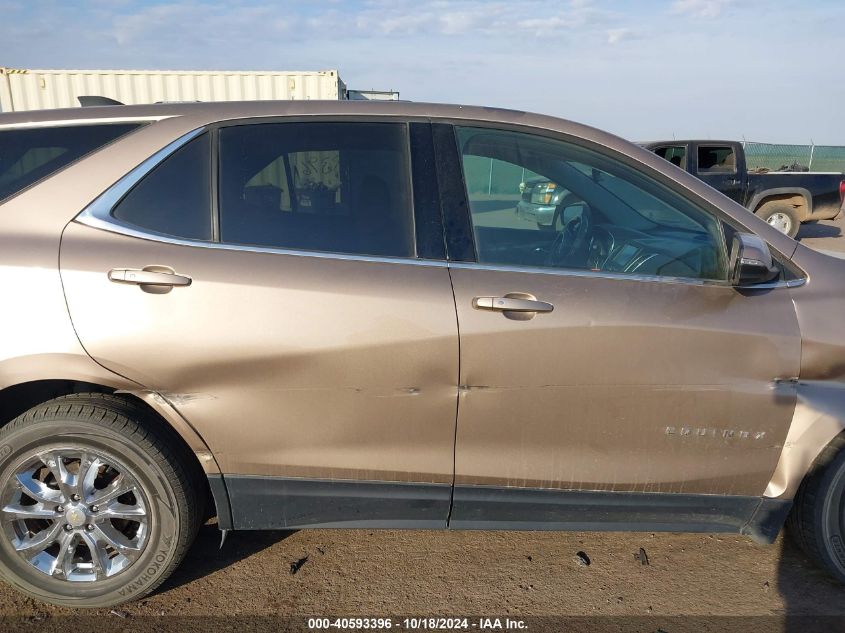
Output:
x,y
28,155
535,201
175,198
335,187
716,158
675,154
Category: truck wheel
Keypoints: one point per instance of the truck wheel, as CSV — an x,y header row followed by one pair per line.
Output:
x,y
817,520
98,503
782,216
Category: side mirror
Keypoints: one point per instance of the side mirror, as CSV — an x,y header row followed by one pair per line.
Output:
x,y
751,261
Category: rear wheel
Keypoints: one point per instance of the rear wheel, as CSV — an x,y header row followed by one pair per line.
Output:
x,y
817,520
98,504
782,216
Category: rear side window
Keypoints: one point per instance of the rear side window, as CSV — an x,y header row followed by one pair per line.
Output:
x,y
29,155
320,186
175,198
716,159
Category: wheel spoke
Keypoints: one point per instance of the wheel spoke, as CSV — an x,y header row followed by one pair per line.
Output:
x,y
89,468
56,465
122,511
65,556
119,486
37,511
99,556
38,490
33,545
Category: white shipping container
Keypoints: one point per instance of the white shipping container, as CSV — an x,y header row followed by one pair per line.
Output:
x,y
44,89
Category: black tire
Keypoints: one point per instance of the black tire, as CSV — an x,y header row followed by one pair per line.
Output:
x,y
817,520
137,441
767,211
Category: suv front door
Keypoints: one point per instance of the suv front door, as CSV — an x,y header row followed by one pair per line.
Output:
x,y
642,385
315,348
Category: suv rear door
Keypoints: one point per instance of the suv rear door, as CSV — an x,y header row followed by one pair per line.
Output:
x,y
302,320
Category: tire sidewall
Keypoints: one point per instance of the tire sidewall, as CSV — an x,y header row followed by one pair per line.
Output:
x,y
831,517
162,541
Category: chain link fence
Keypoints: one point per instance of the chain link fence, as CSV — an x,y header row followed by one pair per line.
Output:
x,y
771,156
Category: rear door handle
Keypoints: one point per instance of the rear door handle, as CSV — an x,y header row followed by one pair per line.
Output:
x,y
511,304
145,277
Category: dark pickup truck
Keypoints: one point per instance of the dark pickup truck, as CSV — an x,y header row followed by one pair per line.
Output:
x,y
783,198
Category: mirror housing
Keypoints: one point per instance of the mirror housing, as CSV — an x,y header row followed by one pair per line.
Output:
x,y
751,261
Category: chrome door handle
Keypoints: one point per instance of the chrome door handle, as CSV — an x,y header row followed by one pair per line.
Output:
x,y
511,304
145,277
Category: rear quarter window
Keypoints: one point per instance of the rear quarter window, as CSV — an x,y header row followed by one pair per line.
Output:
x,y
32,154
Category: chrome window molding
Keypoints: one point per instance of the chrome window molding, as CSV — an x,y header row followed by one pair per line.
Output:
x,y
574,272
112,226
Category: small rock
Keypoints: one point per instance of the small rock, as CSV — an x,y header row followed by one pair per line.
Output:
x,y
641,556
582,559
529,558
766,586
120,614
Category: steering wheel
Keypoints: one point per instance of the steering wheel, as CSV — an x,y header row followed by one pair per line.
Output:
x,y
572,242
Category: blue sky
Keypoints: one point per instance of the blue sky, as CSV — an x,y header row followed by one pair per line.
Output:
x,y
762,70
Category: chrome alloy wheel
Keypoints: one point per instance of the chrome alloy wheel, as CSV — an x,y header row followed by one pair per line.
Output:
x,y
75,514
781,222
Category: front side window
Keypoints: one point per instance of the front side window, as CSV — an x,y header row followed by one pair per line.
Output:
x,y
318,186
540,202
675,154
175,198
31,154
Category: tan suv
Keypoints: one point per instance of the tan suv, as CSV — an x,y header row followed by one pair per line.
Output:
x,y
297,315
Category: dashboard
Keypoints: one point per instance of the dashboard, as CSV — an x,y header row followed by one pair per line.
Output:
x,y
664,252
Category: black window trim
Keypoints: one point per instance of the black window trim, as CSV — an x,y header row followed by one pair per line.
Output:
x,y
454,180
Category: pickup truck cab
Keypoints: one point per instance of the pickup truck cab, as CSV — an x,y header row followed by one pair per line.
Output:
x,y
782,198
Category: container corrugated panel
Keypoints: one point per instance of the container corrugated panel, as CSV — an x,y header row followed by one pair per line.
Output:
x,y
44,89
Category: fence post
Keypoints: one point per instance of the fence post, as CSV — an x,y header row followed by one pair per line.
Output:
x,y
490,179
812,152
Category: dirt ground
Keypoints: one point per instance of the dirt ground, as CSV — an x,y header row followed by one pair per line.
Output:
x,y
691,582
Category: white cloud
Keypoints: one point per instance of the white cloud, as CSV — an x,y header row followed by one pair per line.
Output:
x,y
614,36
700,8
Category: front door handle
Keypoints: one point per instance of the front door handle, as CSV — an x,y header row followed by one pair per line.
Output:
x,y
150,276
512,302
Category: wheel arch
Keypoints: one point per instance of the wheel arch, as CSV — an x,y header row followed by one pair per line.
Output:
x,y
800,198
19,397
